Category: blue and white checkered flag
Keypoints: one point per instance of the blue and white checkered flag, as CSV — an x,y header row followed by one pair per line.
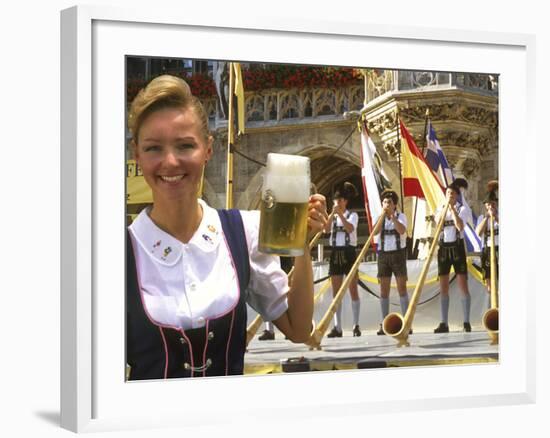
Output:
x,y
438,163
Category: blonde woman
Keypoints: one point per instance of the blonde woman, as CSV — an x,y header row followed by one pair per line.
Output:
x,y
191,268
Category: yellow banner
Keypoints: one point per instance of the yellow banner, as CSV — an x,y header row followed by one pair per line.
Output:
x,y
137,190
239,92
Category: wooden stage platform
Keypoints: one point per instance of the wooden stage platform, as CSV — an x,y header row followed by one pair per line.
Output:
x,y
370,351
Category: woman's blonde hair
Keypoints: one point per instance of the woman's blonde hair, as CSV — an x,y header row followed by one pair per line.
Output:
x,y
162,92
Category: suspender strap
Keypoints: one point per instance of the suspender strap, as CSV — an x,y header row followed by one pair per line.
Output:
x,y
448,223
233,229
385,232
338,228
487,234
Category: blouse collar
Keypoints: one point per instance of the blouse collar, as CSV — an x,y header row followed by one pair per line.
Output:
x,y
165,248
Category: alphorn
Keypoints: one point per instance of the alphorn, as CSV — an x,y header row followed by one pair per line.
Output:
x,y
490,317
253,327
316,336
398,326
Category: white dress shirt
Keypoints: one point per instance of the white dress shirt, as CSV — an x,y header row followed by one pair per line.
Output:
x,y
449,231
390,242
341,235
488,231
183,284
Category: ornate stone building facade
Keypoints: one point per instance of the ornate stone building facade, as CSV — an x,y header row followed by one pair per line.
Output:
x,y
310,121
463,109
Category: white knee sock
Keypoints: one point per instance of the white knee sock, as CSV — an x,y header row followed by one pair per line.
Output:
x,y
355,308
385,306
404,300
466,302
445,309
338,318
269,326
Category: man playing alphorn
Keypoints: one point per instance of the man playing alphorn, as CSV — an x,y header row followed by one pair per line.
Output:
x,y
392,253
483,230
343,240
452,252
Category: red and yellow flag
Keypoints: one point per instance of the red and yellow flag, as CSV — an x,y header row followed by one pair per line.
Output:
x,y
418,178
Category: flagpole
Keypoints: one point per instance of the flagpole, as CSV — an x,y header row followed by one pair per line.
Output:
x,y
362,119
364,71
426,119
229,171
399,160
365,195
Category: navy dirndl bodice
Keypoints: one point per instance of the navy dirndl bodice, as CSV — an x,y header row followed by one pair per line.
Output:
x,y
154,351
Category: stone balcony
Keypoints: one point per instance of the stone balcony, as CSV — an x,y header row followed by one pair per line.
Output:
x,y
283,107
276,107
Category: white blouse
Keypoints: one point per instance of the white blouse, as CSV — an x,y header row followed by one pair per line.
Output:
x,y
183,284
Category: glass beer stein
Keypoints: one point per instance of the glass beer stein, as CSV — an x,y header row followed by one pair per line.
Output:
x,y
284,205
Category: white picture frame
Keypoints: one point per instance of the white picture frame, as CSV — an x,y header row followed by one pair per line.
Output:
x,y
94,396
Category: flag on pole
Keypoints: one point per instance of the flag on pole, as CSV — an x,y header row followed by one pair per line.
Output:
x,y
239,94
438,163
418,177
473,242
371,176
436,158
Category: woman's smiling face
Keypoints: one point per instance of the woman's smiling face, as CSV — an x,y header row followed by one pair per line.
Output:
x,y
172,151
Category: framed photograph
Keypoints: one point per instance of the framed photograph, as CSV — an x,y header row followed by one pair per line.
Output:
x,y
96,44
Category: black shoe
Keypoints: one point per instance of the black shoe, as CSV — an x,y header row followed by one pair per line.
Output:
x,y
266,336
467,327
380,332
356,331
335,333
442,328
410,331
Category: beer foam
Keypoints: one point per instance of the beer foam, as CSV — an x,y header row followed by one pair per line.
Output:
x,y
287,177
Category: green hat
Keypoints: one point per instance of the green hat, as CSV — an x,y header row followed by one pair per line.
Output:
x,y
347,191
454,186
460,183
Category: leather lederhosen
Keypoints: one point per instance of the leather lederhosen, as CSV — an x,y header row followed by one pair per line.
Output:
x,y
451,253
